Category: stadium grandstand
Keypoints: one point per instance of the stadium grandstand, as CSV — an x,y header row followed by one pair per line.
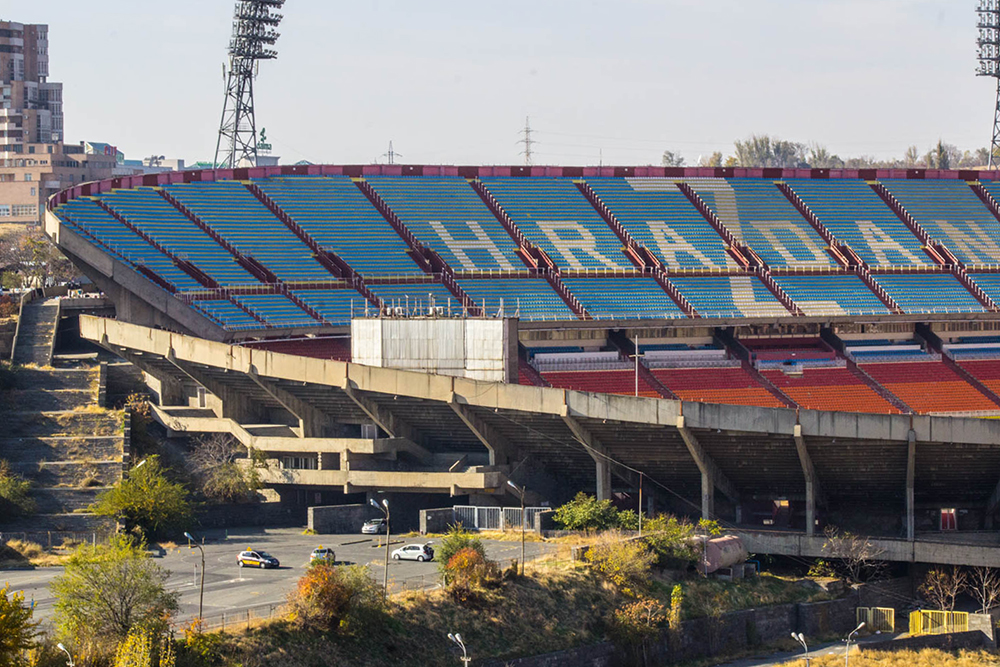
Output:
x,y
871,292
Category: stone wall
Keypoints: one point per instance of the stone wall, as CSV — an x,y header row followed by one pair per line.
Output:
x,y
340,519
436,520
949,642
251,514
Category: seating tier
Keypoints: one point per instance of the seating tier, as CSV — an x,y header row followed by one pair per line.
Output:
x,y
532,298
831,295
929,293
929,386
986,371
830,389
729,296
610,298
716,385
603,381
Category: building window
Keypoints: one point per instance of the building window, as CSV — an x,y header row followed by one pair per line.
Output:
x,y
4,210
34,192
27,177
25,209
299,463
31,149
948,519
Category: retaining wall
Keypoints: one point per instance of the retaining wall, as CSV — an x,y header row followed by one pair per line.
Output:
x,y
327,519
436,520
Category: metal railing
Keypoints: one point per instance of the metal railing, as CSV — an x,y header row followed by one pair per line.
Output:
x,y
930,622
877,619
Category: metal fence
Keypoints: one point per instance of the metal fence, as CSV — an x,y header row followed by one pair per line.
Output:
x,y
877,619
495,518
927,622
55,538
236,619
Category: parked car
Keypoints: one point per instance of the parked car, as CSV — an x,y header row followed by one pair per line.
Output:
x,y
420,552
256,558
373,527
322,555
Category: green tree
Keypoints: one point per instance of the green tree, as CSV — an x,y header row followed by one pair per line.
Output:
x,y
17,629
624,563
146,500
225,469
108,590
15,498
713,160
586,512
672,159
762,150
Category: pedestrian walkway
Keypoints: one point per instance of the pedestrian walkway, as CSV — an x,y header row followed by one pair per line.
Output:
x,y
36,332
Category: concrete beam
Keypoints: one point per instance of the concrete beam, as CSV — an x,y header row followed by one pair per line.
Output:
x,y
812,482
387,421
911,467
598,452
171,389
711,477
235,404
313,423
500,448
362,480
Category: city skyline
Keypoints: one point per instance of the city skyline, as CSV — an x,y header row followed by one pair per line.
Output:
x,y
452,84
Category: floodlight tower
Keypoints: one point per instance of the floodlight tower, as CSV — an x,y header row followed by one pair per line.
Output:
x,y
988,53
254,31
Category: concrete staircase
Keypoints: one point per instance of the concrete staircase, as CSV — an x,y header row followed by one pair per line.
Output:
x,y
36,332
56,435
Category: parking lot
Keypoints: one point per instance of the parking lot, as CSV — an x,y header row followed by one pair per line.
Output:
x,y
229,588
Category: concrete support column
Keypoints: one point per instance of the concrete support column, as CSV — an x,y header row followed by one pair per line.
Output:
x,y
911,465
707,496
809,473
603,467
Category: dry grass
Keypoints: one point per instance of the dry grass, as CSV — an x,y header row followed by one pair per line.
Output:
x,y
923,658
19,553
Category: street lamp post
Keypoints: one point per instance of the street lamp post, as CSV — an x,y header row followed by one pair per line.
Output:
x,y
802,640
457,638
62,648
847,649
384,508
520,491
201,594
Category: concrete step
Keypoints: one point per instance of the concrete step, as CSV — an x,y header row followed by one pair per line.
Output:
x,y
57,378
64,500
72,474
47,399
78,423
34,449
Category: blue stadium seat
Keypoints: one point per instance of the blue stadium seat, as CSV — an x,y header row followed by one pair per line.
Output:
x,y
855,215
929,293
532,298
333,211
831,295
623,298
951,213
227,314
729,296
657,215
417,295
446,214
554,215
147,210
757,213
232,211
989,282
336,305
92,219
277,310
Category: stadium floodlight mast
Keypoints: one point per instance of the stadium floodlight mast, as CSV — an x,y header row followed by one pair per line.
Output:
x,y
988,53
254,32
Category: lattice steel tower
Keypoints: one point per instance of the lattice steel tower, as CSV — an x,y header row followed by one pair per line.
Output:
x,y
988,52
254,31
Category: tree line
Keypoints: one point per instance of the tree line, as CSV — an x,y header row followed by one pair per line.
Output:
x,y
763,150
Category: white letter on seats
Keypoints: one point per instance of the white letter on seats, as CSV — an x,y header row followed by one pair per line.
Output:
x,y
671,244
482,242
586,242
769,231
880,242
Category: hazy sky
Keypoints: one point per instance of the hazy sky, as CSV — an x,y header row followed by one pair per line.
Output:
x,y
451,82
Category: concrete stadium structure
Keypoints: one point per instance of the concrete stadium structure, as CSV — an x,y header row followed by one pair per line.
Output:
x,y
778,286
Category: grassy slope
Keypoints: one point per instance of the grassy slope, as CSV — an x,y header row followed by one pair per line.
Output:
x,y
558,606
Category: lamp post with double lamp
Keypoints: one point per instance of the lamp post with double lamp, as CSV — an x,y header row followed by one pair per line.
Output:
x,y
520,492
457,638
802,640
384,508
201,594
847,648
62,648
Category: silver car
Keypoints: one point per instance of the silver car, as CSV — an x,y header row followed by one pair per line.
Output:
x,y
373,527
419,552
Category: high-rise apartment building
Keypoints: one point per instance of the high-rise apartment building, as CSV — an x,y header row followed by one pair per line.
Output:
x,y
34,162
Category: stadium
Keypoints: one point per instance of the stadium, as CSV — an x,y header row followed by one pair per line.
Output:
x,y
814,346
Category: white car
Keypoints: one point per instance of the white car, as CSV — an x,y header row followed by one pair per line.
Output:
x,y
322,555
420,552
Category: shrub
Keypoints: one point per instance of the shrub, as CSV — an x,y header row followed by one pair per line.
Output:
x,y
17,629
218,464
457,539
146,500
8,306
14,493
637,621
468,573
624,563
670,539
145,648
329,598
585,512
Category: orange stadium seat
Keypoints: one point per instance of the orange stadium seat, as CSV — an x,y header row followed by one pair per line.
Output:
x,y
830,389
929,386
603,381
717,385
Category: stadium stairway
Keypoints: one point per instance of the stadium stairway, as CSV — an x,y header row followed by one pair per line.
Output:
x,y
837,344
737,349
36,332
56,436
626,348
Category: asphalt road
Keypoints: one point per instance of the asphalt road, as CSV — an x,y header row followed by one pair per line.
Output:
x,y
229,588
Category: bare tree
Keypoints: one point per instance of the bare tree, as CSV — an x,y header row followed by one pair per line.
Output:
x,y
226,470
941,587
713,160
860,560
672,159
984,585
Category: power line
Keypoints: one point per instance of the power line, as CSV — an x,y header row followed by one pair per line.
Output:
x,y
527,141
